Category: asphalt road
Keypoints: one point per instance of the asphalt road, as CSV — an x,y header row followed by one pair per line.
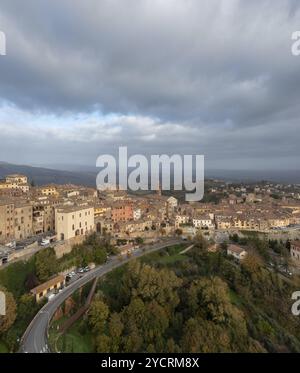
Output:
x,y
35,338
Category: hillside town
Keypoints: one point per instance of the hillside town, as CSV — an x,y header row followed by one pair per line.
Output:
x,y
33,217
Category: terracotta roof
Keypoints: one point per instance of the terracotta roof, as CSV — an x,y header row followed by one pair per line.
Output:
x,y
48,284
295,243
235,249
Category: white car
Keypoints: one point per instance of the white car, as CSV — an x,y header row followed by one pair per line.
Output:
x,y
51,296
45,242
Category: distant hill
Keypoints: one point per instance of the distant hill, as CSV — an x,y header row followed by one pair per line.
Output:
x,y
85,175
42,176
278,176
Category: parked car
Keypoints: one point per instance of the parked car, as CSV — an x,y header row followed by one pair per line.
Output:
x,y
51,296
45,242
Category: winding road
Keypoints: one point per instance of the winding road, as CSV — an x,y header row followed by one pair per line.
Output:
x,y
35,338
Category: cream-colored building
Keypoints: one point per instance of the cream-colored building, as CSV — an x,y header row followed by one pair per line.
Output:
x,y
38,220
49,190
48,287
181,219
23,220
15,220
72,221
204,221
101,210
237,252
15,182
24,187
7,213
16,179
172,203
4,185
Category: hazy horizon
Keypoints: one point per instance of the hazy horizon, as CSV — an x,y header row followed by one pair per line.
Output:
x,y
285,176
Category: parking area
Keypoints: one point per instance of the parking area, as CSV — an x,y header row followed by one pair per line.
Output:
x,y
76,274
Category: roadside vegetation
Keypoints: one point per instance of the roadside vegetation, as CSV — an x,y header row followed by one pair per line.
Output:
x,y
202,302
17,279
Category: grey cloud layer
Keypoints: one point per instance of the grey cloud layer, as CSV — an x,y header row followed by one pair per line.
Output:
x,y
219,75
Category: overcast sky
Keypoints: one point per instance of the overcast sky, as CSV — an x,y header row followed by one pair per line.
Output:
x,y
205,77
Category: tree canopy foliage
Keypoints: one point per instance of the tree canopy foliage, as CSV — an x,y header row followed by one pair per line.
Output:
x,y
205,303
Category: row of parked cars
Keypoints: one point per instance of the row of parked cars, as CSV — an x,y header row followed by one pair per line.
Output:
x,y
282,269
79,271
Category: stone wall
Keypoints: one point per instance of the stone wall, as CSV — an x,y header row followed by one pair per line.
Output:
x,y
24,254
65,247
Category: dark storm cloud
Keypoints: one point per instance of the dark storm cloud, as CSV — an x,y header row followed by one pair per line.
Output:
x,y
219,75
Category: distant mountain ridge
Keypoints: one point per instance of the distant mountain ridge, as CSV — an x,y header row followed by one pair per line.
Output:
x,y
42,176
86,176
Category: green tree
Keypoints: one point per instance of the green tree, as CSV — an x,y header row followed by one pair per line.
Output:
x,y
200,242
202,336
209,299
100,255
26,307
115,327
46,264
97,315
148,283
103,343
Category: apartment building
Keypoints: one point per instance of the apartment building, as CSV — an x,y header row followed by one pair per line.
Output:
x,y
43,213
15,182
172,203
7,214
137,214
48,190
72,221
204,221
15,220
23,219
181,219
121,212
101,210
38,220
16,179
